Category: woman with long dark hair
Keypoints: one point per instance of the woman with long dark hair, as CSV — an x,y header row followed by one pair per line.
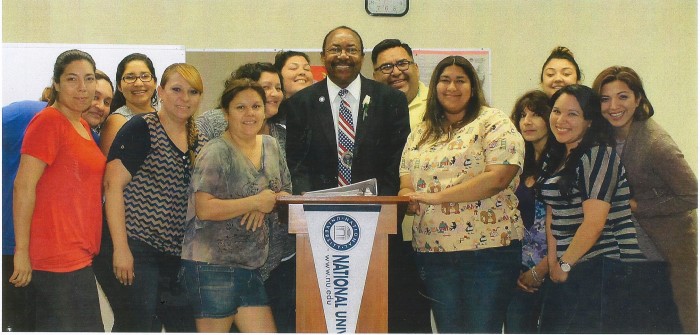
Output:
x,y
458,168
135,94
531,118
589,219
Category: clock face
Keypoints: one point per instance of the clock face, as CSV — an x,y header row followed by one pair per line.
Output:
x,y
386,7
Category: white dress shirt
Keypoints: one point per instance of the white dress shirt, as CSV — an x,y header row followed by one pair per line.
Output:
x,y
353,98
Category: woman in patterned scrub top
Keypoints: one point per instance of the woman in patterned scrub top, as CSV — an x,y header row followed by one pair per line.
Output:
x,y
459,168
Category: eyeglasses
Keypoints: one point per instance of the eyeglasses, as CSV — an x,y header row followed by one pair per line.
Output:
x,y
387,68
131,78
351,51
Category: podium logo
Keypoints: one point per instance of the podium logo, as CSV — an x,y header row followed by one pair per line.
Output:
x,y
341,232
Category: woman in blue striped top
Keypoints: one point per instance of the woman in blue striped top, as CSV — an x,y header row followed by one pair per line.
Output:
x,y
588,211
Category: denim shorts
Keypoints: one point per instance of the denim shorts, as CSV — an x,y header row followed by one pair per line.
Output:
x,y
217,291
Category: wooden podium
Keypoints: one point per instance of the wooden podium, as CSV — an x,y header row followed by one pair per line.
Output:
x,y
373,309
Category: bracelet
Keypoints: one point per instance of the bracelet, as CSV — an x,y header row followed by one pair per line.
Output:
x,y
534,275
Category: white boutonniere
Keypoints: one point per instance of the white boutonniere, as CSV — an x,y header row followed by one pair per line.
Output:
x,y
365,106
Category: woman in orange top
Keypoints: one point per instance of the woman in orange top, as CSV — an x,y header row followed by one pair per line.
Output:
x,y
57,203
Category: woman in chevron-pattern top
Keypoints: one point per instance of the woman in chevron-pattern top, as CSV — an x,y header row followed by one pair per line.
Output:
x,y
148,173
589,217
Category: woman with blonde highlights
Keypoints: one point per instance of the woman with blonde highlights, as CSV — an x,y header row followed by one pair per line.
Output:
x,y
148,172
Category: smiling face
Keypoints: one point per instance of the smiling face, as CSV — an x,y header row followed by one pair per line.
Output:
x,y
270,82
296,74
404,81
533,127
76,87
453,92
137,94
99,110
180,99
567,121
557,73
342,56
618,104
245,114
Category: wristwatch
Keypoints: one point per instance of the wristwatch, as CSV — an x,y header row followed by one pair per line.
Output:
x,y
566,267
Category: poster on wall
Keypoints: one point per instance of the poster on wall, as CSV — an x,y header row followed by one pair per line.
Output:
x,y
427,59
27,67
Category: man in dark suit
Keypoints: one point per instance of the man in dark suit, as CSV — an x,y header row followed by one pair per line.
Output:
x,y
379,119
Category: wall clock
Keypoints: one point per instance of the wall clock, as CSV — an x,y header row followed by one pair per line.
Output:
x,y
386,7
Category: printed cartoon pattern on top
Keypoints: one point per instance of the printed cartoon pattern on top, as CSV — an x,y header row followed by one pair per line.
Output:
x,y
487,223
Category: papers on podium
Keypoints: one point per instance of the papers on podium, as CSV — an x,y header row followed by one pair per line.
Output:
x,y
367,188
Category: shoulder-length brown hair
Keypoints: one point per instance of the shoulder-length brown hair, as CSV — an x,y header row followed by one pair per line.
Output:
x,y
538,103
626,75
435,112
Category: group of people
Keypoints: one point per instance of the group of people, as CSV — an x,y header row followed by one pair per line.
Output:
x,y
551,220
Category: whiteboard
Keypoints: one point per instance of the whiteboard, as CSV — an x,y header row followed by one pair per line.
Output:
x,y
27,67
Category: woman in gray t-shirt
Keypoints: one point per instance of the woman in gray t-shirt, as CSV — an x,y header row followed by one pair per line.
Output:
x,y
234,186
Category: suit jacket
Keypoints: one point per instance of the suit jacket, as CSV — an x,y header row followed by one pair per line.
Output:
x,y
380,135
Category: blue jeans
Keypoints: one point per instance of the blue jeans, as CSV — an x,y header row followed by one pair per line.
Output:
x,y
470,290
156,299
605,295
524,311
409,310
576,305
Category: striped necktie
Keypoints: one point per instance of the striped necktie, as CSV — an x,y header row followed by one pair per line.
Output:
x,y
346,140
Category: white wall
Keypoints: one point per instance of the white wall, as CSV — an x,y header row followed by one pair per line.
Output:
x,y
658,38
20,82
